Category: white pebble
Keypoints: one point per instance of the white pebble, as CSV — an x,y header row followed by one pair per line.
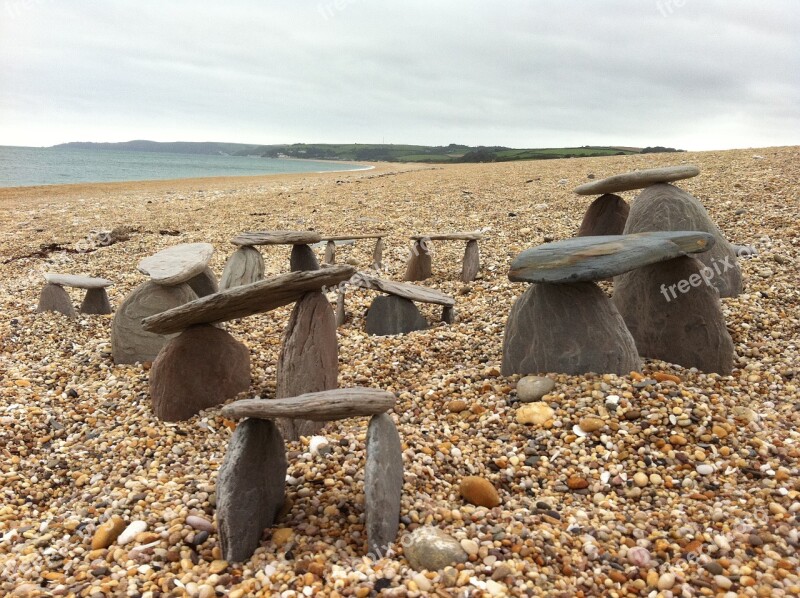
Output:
x,y
705,469
130,532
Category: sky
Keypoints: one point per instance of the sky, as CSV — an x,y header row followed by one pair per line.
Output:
x,y
691,74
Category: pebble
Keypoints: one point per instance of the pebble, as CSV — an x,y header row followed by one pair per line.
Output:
x,y
199,523
705,469
471,547
107,532
535,413
533,388
282,535
129,534
479,491
591,424
218,566
641,479
457,406
666,581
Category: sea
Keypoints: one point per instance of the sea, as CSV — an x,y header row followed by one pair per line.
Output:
x,y
27,166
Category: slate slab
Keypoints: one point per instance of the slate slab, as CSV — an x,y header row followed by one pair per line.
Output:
x,y
638,179
393,315
383,484
326,405
77,281
177,264
277,237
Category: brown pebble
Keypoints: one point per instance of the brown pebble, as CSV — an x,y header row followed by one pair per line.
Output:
x,y
479,491
107,532
577,483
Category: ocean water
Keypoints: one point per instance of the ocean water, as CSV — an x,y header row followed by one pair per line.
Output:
x,y
26,166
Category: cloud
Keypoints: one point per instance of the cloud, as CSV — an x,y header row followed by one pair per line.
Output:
x,y
686,73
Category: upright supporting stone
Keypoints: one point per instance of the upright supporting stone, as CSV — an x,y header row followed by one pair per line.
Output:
x,y
377,255
309,359
605,216
202,367
303,258
250,487
330,252
383,484
567,328
340,313
129,341
204,283
419,262
675,316
55,298
96,302
245,266
393,315
448,314
472,262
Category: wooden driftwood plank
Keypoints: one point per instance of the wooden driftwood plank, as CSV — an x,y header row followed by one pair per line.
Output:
x,y
413,292
246,300
327,405
473,236
277,237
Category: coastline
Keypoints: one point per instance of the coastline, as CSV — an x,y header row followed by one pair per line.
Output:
x,y
82,444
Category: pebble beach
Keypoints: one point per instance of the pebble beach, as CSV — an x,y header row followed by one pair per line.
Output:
x,y
672,482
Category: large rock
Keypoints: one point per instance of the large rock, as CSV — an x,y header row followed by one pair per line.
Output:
x,y
605,216
394,315
667,208
177,264
673,315
432,549
595,258
129,341
54,298
567,328
200,368
322,406
419,262
96,302
383,484
309,359
204,283
638,179
240,302
303,258
472,262
245,265
250,487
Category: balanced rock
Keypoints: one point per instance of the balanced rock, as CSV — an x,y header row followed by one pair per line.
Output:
x,y
303,258
567,328
394,315
419,262
54,298
177,264
309,358
200,368
675,316
204,283
246,265
533,388
96,302
638,179
250,487
605,216
667,208
595,258
432,549
129,341
383,484
472,261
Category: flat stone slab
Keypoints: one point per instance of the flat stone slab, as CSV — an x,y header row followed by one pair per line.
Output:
x,y
405,290
177,264
77,281
638,179
473,236
594,258
327,405
383,484
354,237
246,300
277,237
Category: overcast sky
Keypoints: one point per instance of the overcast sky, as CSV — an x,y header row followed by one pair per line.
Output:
x,y
693,74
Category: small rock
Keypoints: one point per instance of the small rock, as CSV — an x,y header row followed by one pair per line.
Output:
x,y
199,523
705,469
723,582
641,479
535,413
666,581
431,548
218,566
471,547
457,406
591,424
107,532
577,483
134,529
282,535
533,388
639,556
479,491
